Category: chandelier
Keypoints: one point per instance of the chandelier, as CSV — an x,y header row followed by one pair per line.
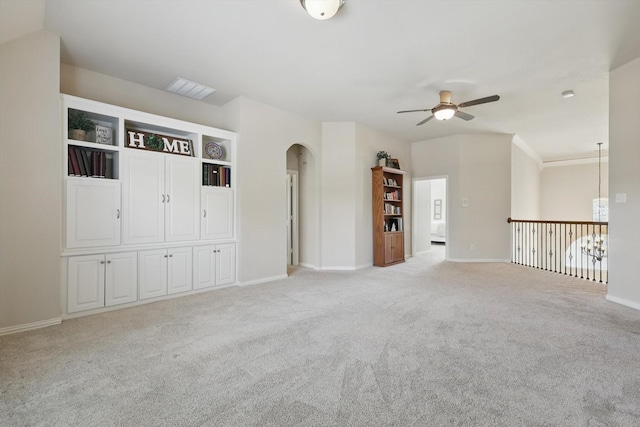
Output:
x,y
596,246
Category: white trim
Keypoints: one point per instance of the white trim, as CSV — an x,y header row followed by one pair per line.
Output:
x,y
264,280
574,162
340,268
354,268
521,144
30,326
479,260
363,266
311,266
623,301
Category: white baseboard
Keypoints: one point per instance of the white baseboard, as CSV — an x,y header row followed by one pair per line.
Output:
x,y
30,326
264,280
363,266
479,260
623,301
340,268
305,265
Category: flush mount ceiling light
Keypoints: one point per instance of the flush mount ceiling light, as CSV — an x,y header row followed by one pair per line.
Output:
x,y
189,89
322,9
568,94
444,112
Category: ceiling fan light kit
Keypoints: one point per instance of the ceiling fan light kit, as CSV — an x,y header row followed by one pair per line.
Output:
x,y
444,112
447,109
322,9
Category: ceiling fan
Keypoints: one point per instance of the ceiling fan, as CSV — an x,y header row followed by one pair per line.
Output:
x,y
446,109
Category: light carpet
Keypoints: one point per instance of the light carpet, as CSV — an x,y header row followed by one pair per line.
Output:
x,y
425,343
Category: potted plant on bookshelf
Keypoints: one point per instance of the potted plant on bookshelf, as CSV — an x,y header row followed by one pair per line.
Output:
x,y
79,125
383,158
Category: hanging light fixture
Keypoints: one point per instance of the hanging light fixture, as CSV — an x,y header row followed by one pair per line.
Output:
x,y
596,246
322,9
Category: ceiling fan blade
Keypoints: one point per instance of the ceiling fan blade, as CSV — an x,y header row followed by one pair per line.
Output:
x,y
479,101
413,111
425,121
463,116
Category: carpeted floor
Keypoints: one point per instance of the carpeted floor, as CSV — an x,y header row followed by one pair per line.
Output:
x,y
425,343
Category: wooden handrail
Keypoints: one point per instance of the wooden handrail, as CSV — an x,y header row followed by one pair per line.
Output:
x,y
510,220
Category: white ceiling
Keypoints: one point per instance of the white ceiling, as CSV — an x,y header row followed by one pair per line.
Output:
x,y
374,58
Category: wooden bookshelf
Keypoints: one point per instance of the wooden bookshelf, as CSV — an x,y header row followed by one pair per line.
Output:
x,y
388,216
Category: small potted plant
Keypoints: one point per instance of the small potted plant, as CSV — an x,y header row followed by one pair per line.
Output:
x,y
79,125
383,158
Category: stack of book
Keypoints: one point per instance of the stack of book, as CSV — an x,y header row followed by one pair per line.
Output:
x,y
215,175
83,162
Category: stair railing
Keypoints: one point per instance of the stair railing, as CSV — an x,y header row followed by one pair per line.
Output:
x,y
574,248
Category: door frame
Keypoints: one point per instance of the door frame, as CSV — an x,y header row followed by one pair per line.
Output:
x,y
292,219
414,212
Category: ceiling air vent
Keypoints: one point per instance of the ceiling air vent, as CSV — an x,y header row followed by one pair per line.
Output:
x,y
190,89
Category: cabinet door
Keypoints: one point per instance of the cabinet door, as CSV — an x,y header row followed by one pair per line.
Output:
x,y
397,247
182,190
143,197
217,213
85,287
226,264
152,273
204,266
93,213
388,248
180,271
121,278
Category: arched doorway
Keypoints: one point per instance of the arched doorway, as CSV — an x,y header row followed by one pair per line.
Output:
x,y
301,208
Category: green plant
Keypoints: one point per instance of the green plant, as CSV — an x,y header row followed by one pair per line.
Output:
x,y
383,155
154,142
79,120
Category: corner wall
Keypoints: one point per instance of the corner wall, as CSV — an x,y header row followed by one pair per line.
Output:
x,y
525,185
624,178
30,181
478,167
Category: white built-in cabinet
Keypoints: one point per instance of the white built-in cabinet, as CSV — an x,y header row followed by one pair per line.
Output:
x,y
149,208
161,198
214,265
164,272
93,213
217,213
101,280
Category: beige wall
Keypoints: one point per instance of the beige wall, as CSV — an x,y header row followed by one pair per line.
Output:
x,y
624,178
525,185
567,192
338,190
478,168
30,180
265,134
368,143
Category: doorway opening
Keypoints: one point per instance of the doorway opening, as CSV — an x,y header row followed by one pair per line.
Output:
x,y
293,255
430,225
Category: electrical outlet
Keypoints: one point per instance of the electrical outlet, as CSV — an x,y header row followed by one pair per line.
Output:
x,y
472,246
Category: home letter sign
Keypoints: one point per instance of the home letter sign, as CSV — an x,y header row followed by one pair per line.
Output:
x,y
152,141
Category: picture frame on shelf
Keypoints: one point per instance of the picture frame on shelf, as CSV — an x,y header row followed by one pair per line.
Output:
x,y
394,163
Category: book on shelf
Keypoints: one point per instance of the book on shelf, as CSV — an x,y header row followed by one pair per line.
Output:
x,y
82,169
103,164
73,160
216,176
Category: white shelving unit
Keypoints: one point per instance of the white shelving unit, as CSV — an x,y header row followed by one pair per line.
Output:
x,y
155,196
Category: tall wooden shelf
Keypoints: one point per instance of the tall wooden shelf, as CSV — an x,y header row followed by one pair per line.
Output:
x,y
388,216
